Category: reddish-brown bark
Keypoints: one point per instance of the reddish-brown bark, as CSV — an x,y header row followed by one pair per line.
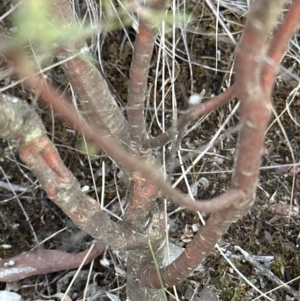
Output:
x,y
145,216
192,114
39,262
94,98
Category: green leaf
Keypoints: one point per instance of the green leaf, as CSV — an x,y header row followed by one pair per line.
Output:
x,y
36,22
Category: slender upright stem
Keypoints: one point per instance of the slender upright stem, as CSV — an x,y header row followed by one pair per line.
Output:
x,y
139,70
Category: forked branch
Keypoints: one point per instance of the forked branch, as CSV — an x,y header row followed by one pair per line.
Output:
x,y
254,92
254,112
21,125
115,150
133,164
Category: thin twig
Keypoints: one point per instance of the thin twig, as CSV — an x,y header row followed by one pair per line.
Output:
x,y
264,271
192,114
151,173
